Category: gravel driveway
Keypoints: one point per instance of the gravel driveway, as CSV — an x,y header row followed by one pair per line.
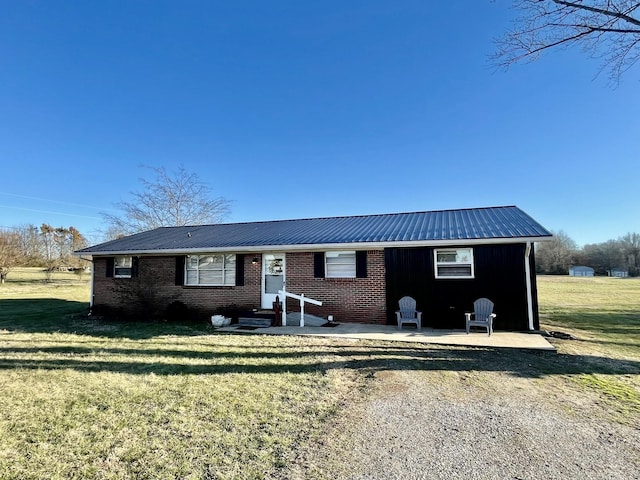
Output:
x,y
472,425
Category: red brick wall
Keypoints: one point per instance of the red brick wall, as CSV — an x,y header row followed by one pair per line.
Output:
x,y
347,299
162,272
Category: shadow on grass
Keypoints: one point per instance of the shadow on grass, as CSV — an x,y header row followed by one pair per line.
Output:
x,y
281,360
60,316
51,315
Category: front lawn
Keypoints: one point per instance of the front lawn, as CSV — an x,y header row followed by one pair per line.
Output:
x,y
86,399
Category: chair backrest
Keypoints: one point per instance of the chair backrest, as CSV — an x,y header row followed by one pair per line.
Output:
x,y
483,307
407,306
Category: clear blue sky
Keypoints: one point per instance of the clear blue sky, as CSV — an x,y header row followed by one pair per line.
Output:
x,y
297,109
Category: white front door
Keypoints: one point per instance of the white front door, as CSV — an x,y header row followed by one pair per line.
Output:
x,y
273,278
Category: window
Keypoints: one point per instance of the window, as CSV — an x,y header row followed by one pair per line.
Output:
x,y
340,264
122,267
210,269
454,263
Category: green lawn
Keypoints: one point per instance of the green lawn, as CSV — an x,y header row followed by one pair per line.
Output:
x,y
604,313
91,400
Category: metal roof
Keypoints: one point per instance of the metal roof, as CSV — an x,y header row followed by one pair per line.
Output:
x,y
474,225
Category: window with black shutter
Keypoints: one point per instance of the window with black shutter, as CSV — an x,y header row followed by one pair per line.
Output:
x,y
340,264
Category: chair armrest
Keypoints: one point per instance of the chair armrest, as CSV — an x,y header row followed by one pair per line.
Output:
x,y
468,316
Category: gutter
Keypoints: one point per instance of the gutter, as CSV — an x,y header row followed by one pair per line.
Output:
x,y
93,276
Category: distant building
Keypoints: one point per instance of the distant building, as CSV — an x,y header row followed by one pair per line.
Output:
x,y
581,271
618,272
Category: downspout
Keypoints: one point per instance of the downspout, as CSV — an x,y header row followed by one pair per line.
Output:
x,y
527,270
93,274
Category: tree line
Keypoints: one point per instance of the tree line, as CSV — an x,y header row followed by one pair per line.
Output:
x,y
170,199
48,247
558,255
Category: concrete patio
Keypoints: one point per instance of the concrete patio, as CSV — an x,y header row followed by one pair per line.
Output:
x,y
529,341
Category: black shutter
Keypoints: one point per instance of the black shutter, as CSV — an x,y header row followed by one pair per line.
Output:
x,y
134,266
239,270
361,264
180,270
318,265
110,265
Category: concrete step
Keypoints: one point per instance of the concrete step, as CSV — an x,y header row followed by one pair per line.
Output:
x,y
293,319
254,322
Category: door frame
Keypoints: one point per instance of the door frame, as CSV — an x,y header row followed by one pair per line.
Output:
x,y
267,299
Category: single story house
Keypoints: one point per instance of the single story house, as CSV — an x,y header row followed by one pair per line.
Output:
x,y
357,266
580,271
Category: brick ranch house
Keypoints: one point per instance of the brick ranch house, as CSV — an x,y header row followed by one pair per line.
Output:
x,y
358,266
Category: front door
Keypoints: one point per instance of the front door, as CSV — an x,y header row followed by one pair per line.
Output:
x,y
273,278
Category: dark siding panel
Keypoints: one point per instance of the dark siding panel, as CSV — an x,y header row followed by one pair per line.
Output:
x,y
499,276
110,265
409,272
361,264
180,270
239,270
318,265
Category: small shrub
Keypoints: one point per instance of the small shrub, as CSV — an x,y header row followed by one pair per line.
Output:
x,y
177,311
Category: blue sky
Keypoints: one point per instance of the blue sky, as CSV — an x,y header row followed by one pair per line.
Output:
x,y
295,109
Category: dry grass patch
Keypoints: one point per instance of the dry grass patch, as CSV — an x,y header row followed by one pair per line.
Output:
x,y
604,315
210,406
85,399
94,400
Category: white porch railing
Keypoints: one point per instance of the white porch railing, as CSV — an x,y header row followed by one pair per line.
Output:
x,y
302,299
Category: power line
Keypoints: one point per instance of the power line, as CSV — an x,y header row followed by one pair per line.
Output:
x,y
56,201
49,211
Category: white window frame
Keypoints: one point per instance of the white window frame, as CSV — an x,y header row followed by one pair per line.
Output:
x,y
329,272
195,270
463,258
123,263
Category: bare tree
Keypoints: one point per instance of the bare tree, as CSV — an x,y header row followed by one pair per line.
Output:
x,y
31,245
607,29
631,248
51,260
168,200
557,255
10,252
603,257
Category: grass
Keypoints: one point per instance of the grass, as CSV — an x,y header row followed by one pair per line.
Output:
x,y
83,399
604,315
87,399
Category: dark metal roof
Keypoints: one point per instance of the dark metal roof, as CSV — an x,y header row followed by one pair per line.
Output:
x,y
475,225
